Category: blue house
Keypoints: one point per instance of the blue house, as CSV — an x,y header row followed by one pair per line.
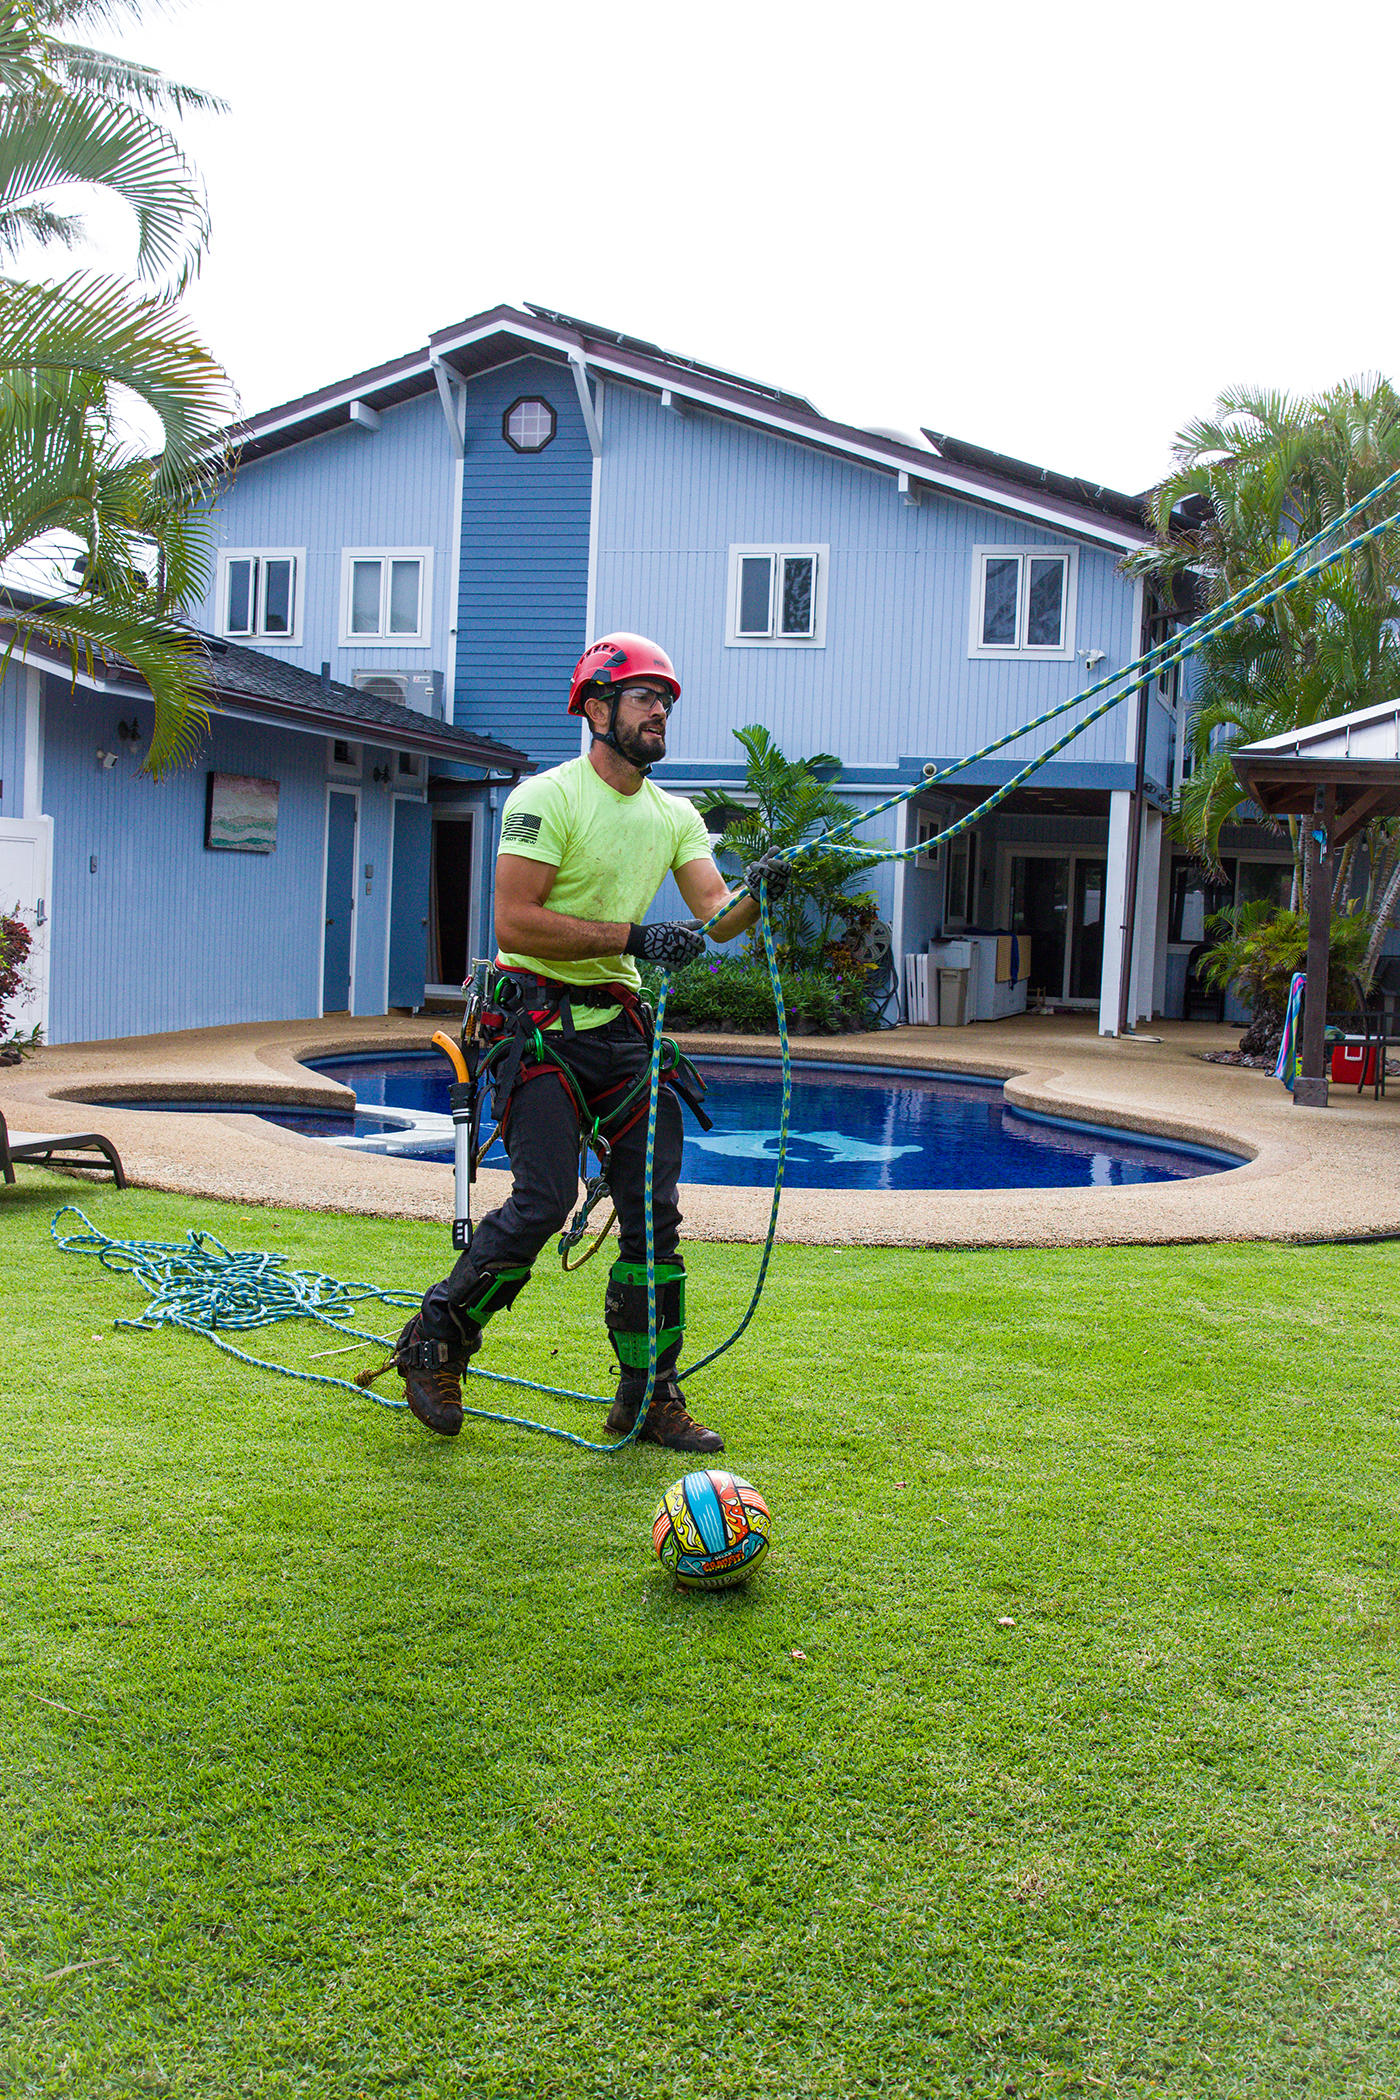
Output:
x,y
440,537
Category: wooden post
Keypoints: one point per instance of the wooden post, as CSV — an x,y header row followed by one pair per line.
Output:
x,y
1310,1087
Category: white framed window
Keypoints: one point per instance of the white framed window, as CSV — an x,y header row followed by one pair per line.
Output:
x,y
777,598
342,759
385,595
408,769
1023,601
259,593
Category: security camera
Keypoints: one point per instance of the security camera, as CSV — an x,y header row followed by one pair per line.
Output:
x,y
1092,658
107,759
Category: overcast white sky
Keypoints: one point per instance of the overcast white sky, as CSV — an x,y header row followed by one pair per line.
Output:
x,y
1057,231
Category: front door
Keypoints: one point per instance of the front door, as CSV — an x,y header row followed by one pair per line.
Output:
x,y
342,811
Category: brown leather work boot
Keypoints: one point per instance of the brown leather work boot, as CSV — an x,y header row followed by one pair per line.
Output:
x,y
432,1378
668,1421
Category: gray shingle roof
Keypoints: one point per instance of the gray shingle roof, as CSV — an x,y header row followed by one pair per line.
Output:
x,y
243,676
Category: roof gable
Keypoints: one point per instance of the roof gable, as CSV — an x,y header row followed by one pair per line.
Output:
x,y
502,334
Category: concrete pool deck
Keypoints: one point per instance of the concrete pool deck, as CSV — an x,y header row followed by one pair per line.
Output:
x,y
1311,1173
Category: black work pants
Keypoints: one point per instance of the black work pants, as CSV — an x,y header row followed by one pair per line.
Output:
x,y
542,1141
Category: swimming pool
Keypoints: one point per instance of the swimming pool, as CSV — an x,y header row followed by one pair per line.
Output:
x,y
852,1126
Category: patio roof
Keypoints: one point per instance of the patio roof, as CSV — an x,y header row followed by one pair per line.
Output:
x,y
1357,756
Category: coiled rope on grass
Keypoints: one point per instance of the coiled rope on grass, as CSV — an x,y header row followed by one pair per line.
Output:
x,y
204,1288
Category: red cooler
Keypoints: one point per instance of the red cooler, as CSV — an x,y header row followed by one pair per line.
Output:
x,y
1356,1062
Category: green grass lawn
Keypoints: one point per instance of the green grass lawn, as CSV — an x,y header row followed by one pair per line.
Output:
x,y
1053,1751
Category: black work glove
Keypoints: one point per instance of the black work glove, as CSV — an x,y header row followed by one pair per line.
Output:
x,y
673,944
777,871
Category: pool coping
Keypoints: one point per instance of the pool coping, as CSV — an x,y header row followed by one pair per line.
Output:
x,y
1308,1173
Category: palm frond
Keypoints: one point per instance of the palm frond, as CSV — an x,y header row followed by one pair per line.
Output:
x,y
51,139
124,80
171,660
97,325
21,223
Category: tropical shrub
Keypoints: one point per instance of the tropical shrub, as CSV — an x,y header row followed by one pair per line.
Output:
x,y
735,994
788,801
15,943
1258,948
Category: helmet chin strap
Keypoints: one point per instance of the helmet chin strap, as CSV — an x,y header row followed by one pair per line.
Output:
x,y
608,736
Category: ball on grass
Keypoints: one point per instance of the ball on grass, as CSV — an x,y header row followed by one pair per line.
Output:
x,y
711,1530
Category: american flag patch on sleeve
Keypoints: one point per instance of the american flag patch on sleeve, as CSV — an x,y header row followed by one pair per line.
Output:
x,y
521,824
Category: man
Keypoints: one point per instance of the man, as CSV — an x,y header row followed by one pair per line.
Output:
x,y
584,849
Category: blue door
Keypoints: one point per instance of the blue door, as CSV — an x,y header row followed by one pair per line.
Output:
x,y
408,908
340,903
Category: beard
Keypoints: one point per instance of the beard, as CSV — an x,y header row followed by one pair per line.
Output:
x,y
641,747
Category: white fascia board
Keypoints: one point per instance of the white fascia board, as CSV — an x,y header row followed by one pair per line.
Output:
x,y
927,469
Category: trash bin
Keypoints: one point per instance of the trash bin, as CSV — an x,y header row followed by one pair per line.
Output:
x,y
952,998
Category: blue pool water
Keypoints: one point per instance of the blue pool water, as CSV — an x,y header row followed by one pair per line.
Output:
x,y
851,1127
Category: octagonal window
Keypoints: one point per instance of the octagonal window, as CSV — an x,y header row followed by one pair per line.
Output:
x,y
529,424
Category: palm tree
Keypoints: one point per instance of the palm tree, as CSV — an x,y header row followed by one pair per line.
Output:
x,y
114,533
1265,471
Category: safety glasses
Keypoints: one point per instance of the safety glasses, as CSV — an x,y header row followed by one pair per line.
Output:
x,y
648,696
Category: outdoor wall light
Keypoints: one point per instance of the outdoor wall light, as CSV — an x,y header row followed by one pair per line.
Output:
x,y
382,775
129,732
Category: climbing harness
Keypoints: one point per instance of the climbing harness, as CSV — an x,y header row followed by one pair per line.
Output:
x,y
202,1287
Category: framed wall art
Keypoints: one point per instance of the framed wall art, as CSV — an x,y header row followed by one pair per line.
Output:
x,y
240,814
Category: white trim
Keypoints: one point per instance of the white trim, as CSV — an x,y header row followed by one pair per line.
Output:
x,y
423,638
595,505
578,365
1019,651
454,591
337,788
32,795
930,471
296,555
452,393
363,416
777,551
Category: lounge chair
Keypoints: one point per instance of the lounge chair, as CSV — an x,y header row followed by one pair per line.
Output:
x,y
63,1147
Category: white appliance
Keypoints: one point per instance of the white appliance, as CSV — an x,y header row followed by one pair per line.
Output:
x,y
986,957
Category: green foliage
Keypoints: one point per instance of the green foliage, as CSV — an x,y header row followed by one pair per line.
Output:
x,y
1257,948
1264,472
114,542
15,943
338,1760
793,801
736,992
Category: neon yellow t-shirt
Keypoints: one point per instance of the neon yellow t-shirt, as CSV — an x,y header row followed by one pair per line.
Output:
x,y
612,851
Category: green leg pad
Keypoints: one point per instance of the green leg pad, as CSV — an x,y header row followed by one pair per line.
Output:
x,y
499,1289
625,1311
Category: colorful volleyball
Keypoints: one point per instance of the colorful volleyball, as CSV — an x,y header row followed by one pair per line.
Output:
x,y
711,1530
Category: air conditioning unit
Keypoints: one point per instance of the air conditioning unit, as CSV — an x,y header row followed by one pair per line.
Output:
x,y
420,690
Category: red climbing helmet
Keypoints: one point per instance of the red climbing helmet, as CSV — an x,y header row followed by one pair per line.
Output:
x,y
615,659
